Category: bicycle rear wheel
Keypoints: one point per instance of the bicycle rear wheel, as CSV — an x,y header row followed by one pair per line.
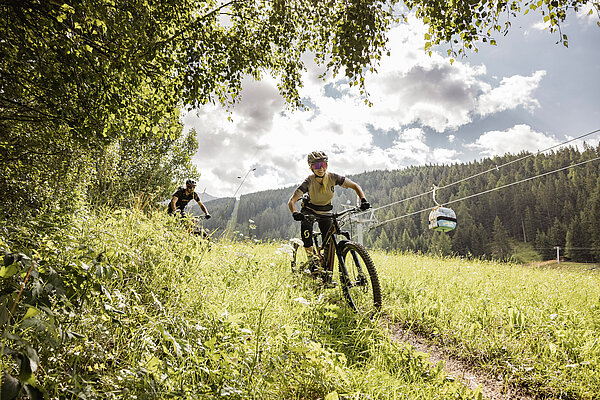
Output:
x,y
359,280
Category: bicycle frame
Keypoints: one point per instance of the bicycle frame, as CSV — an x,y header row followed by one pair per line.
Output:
x,y
358,277
330,242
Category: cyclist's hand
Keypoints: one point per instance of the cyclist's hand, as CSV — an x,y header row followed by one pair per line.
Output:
x,y
298,216
207,216
364,204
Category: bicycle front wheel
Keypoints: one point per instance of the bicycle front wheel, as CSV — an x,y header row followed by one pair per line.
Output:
x,y
358,279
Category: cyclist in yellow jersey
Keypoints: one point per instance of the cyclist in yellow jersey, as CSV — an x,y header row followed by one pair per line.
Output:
x,y
317,192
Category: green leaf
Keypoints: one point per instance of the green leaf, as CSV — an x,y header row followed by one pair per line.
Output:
x,y
33,392
7,272
25,372
31,312
153,364
10,386
33,357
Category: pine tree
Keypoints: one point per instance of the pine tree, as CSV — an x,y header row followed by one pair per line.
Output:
x,y
595,217
543,246
577,245
440,244
500,243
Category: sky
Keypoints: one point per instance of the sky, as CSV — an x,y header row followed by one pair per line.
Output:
x,y
525,93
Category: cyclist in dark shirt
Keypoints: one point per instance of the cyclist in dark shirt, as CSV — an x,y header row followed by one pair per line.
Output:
x,y
183,196
317,192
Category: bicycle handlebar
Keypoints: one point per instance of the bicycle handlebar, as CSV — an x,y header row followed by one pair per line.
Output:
x,y
335,215
188,216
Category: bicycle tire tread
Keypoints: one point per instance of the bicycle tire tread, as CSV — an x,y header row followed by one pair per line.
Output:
x,y
372,271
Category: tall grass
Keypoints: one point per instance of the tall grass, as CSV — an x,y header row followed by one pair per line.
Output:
x,y
153,312
539,328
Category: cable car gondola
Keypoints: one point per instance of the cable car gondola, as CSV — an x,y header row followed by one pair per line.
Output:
x,y
442,219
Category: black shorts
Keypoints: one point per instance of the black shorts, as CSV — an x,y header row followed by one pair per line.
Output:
x,y
306,227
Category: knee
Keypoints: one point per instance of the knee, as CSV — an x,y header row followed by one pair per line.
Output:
x,y
306,234
307,238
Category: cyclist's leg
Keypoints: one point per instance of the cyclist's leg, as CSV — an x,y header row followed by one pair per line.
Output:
x,y
324,226
306,232
299,256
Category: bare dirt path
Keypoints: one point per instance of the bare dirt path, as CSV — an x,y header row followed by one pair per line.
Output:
x,y
492,388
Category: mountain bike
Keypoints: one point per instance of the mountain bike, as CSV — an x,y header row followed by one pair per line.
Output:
x,y
195,226
358,278
193,223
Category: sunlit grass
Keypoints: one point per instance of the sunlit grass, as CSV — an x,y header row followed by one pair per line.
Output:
x,y
181,319
176,317
537,327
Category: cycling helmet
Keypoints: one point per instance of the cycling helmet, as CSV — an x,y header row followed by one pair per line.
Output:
x,y
316,156
190,182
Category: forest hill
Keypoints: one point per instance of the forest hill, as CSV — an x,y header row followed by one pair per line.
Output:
x,y
560,209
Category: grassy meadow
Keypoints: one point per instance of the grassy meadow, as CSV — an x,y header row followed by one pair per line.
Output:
x,y
126,305
537,327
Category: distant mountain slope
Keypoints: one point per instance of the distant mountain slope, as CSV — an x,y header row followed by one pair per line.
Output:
x,y
204,198
560,209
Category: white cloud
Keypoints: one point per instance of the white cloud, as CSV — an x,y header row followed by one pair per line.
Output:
x,y
413,94
588,14
581,144
513,140
412,87
444,156
541,25
513,92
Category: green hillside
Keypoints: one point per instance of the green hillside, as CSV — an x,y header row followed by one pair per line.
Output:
x,y
559,209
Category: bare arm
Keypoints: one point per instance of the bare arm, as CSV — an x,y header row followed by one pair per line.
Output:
x,y
292,201
202,206
348,184
173,202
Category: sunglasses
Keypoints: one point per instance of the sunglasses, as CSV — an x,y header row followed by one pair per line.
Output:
x,y
190,187
319,165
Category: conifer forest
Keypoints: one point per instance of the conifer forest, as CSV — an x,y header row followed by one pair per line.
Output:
x,y
553,209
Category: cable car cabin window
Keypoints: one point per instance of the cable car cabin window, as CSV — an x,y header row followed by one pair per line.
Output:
x,y
442,219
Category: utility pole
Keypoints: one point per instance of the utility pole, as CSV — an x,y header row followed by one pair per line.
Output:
x,y
361,219
359,232
557,254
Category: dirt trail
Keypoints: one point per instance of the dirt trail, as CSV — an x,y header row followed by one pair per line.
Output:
x,y
492,388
